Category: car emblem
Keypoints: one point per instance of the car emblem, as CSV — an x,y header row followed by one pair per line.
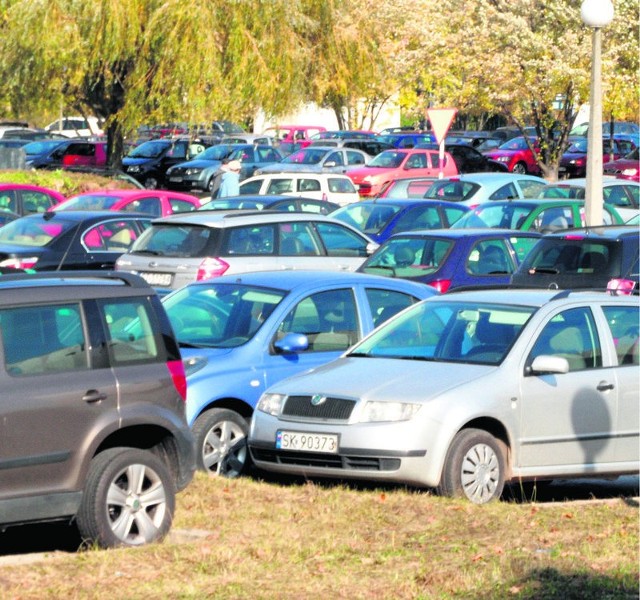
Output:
x,y
318,399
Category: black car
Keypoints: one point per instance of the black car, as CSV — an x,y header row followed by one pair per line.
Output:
x,y
53,241
264,202
149,161
583,258
39,153
469,160
92,396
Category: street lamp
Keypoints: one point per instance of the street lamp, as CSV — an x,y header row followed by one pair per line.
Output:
x,y
595,14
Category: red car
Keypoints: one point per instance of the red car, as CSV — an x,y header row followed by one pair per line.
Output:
x,y
517,156
159,203
627,167
400,163
294,133
22,199
84,153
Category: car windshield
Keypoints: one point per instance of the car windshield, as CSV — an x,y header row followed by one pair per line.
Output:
x,y
90,202
306,156
453,331
33,148
409,257
576,256
369,218
518,143
452,191
497,215
389,159
34,231
217,152
219,315
562,191
578,146
151,149
180,241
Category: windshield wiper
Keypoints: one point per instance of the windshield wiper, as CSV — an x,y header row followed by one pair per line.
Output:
x,y
149,252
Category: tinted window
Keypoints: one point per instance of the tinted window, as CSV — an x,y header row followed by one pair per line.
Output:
x,y
384,304
251,240
340,241
624,323
181,241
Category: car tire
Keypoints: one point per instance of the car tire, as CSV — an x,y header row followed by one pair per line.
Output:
x,y
221,442
151,183
474,467
128,500
520,168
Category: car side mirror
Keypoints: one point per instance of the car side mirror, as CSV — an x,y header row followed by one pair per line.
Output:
x,y
330,163
292,343
546,363
371,248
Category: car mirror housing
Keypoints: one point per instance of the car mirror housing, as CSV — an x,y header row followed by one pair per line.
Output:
x,y
546,363
292,343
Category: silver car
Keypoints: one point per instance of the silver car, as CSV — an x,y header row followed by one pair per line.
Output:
x,y
188,247
464,392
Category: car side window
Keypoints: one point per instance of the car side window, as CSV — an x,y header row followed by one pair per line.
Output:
x,y
354,158
336,158
384,304
615,194
328,319
453,214
181,205
36,202
151,206
531,189
280,186
251,187
489,257
340,241
131,334
624,324
43,339
506,192
252,240
297,239
8,201
571,334
553,219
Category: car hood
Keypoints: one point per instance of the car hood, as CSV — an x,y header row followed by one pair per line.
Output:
x,y
382,379
127,161
200,164
359,173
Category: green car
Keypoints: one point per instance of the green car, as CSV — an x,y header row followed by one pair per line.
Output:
x,y
544,216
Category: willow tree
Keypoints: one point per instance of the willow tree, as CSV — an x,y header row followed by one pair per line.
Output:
x,y
135,61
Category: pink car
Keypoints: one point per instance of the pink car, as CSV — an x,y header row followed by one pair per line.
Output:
x,y
516,156
400,163
627,167
158,203
294,133
22,199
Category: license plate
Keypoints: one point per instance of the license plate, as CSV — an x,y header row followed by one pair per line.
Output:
x,y
175,179
157,279
307,442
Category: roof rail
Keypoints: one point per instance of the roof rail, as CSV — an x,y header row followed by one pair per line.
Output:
x,y
129,279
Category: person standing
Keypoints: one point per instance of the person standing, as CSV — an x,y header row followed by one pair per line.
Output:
x,y
230,182
217,178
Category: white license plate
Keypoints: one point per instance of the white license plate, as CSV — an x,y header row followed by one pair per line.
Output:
x,y
159,279
175,179
307,442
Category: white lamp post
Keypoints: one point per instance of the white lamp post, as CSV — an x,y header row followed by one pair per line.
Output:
x,y
595,14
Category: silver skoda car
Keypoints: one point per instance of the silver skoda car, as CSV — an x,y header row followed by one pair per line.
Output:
x,y
465,392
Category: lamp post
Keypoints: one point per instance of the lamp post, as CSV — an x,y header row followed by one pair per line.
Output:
x,y
595,14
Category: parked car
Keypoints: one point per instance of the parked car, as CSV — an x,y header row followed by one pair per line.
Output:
x,y
301,134
623,194
282,203
53,241
23,199
406,187
72,153
627,167
368,145
197,174
447,259
587,257
318,159
466,392
254,157
393,164
407,139
628,130
40,149
249,139
517,156
151,202
333,187
94,429
476,188
149,161
573,163
471,138
194,246
545,216
381,218
340,134
239,334
469,160
75,127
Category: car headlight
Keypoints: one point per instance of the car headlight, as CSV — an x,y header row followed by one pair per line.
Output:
x,y
629,172
503,158
134,169
271,403
373,412
193,171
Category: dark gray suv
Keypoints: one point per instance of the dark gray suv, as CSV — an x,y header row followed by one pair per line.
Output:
x,y
92,406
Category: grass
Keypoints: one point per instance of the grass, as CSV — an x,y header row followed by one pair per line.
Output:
x,y
261,539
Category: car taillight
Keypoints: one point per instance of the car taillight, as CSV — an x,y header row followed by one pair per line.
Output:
x,y
176,369
621,287
442,285
211,267
20,263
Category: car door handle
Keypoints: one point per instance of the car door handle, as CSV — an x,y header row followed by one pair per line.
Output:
x,y
93,396
603,386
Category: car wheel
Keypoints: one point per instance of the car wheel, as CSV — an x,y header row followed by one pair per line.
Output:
x,y
128,500
221,442
151,183
520,168
474,467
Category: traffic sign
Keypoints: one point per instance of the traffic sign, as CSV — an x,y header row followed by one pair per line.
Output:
x,y
441,119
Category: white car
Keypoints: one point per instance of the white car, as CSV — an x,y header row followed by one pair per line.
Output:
x,y
466,391
76,126
319,186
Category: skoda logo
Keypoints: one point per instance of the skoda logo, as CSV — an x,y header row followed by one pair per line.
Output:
x,y
318,399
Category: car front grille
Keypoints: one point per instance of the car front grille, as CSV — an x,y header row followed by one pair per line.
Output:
x,y
318,407
326,461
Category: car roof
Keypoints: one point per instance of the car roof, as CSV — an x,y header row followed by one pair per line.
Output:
x,y
581,182
86,215
128,193
489,177
408,202
609,232
227,218
484,232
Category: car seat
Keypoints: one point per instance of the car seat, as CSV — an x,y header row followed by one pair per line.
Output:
x,y
404,256
291,246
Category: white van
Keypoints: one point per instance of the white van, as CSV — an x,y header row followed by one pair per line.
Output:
x,y
333,187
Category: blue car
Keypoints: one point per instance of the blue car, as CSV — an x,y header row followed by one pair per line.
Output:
x,y
451,258
239,334
381,218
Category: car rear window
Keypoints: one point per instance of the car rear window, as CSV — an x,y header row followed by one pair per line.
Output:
x,y
577,257
190,241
